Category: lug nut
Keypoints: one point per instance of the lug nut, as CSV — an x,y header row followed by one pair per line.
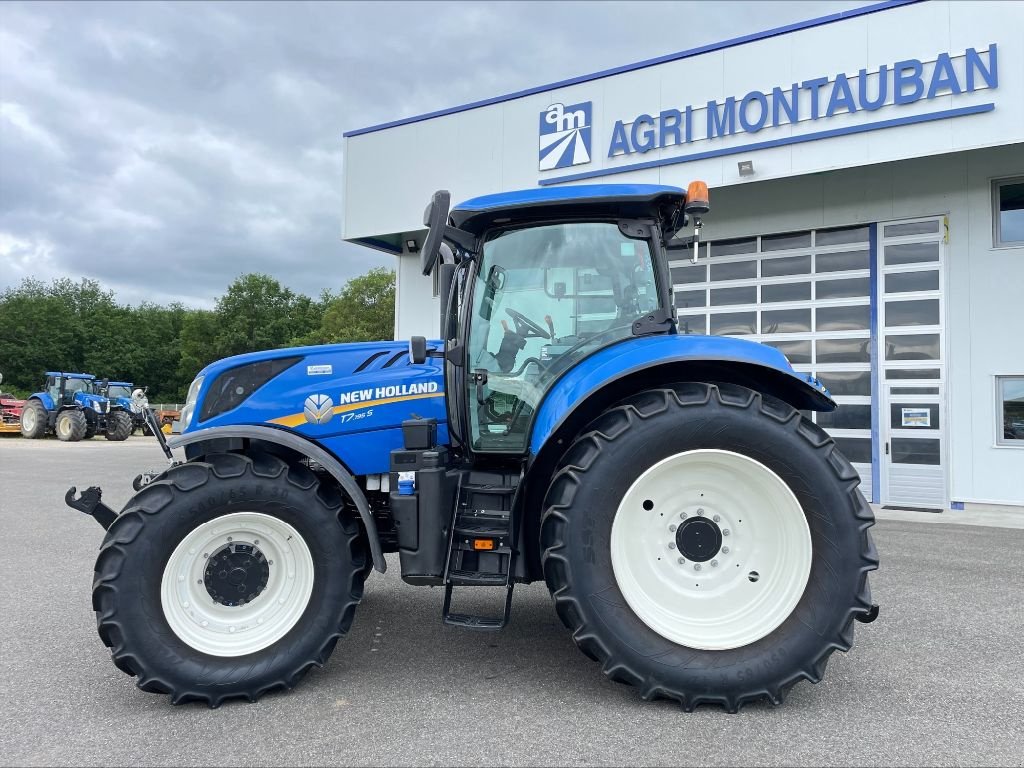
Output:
x,y
701,512
725,550
682,515
717,518
671,545
671,527
725,531
696,566
682,561
714,563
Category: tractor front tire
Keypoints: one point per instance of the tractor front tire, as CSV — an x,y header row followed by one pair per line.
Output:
x,y
707,544
71,426
228,578
33,420
119,426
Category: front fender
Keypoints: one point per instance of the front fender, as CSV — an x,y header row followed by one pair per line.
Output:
x,y
304,447
660,360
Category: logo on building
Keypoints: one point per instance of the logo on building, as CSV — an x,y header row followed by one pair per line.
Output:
x,y
565,135
318,409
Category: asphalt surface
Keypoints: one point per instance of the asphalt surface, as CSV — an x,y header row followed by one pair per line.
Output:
x,y
938,679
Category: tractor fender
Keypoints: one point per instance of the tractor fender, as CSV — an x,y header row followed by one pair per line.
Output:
x,y
45,399
225,436
616,371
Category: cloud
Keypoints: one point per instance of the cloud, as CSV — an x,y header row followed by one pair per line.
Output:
x,y
163,149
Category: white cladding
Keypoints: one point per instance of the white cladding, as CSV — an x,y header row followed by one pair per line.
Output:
x,y
939,161
390,174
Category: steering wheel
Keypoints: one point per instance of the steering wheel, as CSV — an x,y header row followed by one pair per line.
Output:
x,y
525,327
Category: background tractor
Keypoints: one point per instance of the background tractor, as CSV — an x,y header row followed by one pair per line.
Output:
x,y
10,411
125,397
70,405
701,539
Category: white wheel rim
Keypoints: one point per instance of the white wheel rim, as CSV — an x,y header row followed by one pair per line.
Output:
x,y
217,629
716,604
28,419
64,426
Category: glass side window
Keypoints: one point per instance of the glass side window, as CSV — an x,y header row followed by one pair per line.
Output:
x,y
1010,404
1008,212
544,298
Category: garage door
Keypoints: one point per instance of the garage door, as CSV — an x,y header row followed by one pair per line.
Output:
x,y
806,293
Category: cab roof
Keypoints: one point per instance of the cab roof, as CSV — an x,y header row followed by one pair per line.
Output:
x,y
619,201
67,375
119,383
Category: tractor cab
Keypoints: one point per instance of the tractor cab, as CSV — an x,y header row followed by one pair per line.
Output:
x,y
543,279
67,389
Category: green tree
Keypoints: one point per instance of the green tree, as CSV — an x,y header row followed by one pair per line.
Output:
x,y
363,311
258,313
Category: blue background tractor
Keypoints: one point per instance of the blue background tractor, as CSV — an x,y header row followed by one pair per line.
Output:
x,y
70,405
701,539
125,398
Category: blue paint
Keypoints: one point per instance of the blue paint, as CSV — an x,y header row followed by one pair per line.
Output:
x,y
956,506
589,192
783,142
731,43
363,434
611,362
876,367
87,376
380,245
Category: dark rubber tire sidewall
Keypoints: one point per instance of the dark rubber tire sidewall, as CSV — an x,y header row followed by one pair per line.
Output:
x,y
578,555
131,565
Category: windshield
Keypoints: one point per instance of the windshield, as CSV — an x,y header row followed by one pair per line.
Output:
x,y
116,390
544,298
78,385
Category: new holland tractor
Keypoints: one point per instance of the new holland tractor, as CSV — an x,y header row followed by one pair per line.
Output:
x,y
124,396
70,404
701,539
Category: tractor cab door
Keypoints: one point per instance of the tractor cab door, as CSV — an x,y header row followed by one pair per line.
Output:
x,y
540,299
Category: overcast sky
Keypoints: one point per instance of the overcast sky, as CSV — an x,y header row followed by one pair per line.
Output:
x,y
165,148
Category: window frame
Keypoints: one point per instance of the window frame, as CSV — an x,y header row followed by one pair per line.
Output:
x,y
997,184
1001,441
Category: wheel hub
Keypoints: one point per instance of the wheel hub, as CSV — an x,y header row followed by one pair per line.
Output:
x,y
236,574
698,539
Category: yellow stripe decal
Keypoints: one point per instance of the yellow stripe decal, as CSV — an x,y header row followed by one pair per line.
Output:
x,y
297,419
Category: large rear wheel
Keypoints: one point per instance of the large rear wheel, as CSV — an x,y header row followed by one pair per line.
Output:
x,y
33,420
228,578
708,545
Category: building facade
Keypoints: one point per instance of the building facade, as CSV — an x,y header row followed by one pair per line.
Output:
x,y
867,176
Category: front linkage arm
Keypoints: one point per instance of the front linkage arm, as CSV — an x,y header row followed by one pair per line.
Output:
x,y
90,503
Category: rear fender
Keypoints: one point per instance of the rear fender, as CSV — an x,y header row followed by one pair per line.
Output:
x,y
214,439
44,398
617,371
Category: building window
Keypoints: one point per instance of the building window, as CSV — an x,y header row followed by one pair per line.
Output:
x,y
1008,212
1010,405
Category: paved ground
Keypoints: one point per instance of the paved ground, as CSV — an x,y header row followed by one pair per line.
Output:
x,y
939,679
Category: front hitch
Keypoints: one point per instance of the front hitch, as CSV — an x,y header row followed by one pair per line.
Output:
x,y
90,503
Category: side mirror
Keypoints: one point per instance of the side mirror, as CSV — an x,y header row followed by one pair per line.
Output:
x,y
418,350
559,290
105,384
435,218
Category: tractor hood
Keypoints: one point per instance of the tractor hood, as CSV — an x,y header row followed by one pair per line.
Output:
x,y
351,398
96,403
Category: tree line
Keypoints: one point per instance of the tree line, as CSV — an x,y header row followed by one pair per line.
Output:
x,y
79,326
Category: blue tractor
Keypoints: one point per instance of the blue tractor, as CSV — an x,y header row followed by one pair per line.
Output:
x,y
124,397
701,539
72,406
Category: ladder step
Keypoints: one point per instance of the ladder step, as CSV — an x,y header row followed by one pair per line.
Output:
x,y
477,579
482,524
494,490
479,623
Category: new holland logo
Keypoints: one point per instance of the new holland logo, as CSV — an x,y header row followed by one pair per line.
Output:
x,y
318,409
565,135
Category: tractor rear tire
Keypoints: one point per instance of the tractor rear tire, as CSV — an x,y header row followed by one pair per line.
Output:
x,y
232,542
33,420
71,426
644,569
119,426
